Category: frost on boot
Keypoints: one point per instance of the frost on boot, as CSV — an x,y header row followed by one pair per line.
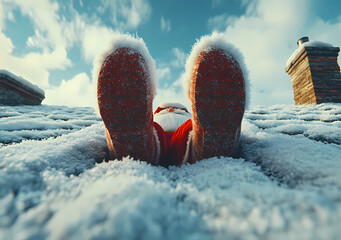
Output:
x,y
125,96
215,82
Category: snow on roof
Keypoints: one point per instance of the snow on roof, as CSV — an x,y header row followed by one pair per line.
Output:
x,y
23,82
285,185
302,46
19,123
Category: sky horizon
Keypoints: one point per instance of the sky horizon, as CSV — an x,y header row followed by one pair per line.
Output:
x,y
53,43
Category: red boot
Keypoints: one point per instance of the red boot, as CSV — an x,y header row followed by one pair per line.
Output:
x,y
218,94
125,95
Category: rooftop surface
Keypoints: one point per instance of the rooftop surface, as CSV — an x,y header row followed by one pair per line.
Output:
x,y
17,80
285,185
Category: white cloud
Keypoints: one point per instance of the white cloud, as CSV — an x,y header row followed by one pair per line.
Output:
x,y
96,38
53,35
34,66
163,73
6,45
172,93
267,36
45,16
219,23
180,58
127,14
2,15
78,91
10,16
165,24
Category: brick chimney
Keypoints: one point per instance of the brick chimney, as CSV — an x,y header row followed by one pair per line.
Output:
x,y
315,73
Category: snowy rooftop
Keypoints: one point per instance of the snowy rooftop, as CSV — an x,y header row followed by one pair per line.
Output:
x,y
22,82
286,184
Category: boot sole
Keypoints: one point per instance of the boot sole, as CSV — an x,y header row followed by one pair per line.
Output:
x,y
218,104
125,104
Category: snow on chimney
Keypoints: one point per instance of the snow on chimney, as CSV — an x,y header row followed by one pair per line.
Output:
x,y
315,72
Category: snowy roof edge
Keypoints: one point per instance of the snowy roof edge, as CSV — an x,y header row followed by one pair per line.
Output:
x,y
21,81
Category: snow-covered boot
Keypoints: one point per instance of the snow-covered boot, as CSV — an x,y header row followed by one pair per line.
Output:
x,y
217,90
125,91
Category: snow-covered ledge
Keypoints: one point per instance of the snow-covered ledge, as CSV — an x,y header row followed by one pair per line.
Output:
x,y
15,90
315,73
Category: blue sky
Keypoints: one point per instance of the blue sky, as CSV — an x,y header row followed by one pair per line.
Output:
x,y
53,43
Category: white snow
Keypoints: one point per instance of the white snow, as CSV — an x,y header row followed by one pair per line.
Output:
x,y
23,82
218,41
306,44
40,122
285,185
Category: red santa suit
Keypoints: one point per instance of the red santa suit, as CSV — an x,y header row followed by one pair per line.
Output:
x,y
171,118
214,81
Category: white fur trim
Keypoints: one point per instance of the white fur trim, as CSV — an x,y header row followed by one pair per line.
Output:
x,y
189,149
214,41
173,105
126,40
157,150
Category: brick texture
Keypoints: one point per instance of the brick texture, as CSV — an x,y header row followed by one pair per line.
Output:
x,y
315,76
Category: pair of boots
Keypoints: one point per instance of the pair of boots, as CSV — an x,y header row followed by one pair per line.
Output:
x,y
214,82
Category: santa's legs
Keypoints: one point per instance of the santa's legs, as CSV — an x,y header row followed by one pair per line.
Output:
x,y
216,88
125,95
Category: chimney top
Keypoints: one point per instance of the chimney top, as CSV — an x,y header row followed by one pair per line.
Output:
x,y
302,40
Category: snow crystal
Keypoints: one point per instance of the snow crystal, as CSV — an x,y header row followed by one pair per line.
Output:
x,y
23,81
302,46
285,185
